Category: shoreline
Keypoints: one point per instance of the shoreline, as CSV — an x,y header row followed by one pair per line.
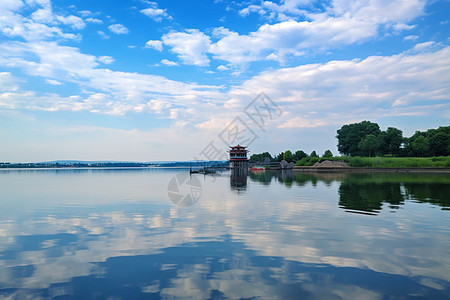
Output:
x,y
305,169
368,169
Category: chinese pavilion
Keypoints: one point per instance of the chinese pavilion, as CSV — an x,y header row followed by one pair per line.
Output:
x,y
238,157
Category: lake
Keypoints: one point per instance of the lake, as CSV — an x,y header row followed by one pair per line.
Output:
x,y
158,233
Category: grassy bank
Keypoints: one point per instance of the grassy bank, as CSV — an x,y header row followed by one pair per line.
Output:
x,y
394,162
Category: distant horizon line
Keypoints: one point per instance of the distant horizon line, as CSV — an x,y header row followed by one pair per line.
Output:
x,y
106,161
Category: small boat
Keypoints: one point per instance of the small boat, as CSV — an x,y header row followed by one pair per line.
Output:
x,y
258,169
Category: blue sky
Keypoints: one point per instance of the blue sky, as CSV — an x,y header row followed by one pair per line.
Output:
x,y
172,80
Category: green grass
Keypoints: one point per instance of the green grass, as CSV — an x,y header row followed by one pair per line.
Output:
x,y
307,161
394,162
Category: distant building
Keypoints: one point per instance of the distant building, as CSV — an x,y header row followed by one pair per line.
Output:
x,y
239,167
238,157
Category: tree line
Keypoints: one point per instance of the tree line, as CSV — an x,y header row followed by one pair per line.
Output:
x,y
299,157
366,139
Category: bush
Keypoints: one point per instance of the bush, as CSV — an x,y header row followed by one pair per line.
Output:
x,y
357,161
313,160
302,162
383,162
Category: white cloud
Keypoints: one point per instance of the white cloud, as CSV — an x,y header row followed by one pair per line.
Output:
x,y
156,14
158,105
249,9
94,20
190,46
402,26
169,62
7,82
339,91
423,46
118,29
342,23
10,5
86,13
153,12
123,92
106,59
299,122
222,68
53,82
154,44
73,21
103,35
40,26
386,85
43,15
411,38
42,23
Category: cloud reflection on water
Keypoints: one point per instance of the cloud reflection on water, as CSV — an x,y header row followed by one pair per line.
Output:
x,y
269,241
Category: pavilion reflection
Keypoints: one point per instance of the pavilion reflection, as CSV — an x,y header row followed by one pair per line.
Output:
x,y
238,178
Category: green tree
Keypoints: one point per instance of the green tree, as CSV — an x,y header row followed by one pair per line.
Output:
x,y
439,143
328,154
391,141
313,154
433,142
369,144
261,157
349,136
266,156
279,157
420,146
410,150
299,154
288,156
254,158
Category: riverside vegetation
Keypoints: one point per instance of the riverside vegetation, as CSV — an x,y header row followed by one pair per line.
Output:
x,y
365,145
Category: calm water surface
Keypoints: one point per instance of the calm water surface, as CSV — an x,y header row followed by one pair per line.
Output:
x,y
115,234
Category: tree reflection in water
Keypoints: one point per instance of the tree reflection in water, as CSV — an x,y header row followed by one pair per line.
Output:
x,y
368,192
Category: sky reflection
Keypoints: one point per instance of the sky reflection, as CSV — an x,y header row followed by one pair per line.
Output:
x,y
117,234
